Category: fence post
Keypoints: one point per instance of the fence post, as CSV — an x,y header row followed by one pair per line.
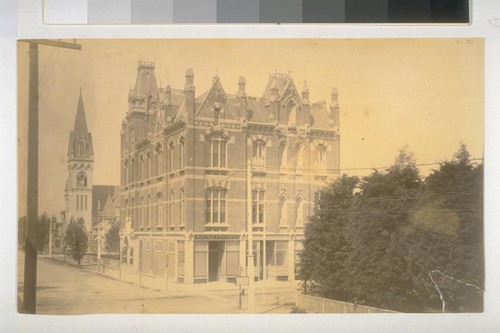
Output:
x,y
323,306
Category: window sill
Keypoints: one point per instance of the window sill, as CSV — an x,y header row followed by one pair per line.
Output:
x,y
216,225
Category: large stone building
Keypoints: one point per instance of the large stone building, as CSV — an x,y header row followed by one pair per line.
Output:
x,y
183,176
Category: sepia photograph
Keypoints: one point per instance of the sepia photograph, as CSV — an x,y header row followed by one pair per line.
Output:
x,y
250,176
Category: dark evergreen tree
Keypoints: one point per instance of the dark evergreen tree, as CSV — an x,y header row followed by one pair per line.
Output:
x,y
77,240
42,232
113,238
325,247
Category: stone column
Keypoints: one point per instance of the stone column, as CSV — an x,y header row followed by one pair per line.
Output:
x,y
291,259
189,260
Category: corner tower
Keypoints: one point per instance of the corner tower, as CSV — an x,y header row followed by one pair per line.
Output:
x,y
78,192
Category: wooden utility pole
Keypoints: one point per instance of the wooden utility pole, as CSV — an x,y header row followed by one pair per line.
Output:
x,y
250,267
30,261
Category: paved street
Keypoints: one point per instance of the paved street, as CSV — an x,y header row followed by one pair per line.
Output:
x,y
65,289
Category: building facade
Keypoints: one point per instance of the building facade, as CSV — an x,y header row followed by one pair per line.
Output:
x,y
183,176
78,191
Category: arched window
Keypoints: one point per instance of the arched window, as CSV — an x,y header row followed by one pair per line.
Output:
x,y
283,210
171,206
299,156
321,156
159,199
171,156
216,151
81,179
299,211
283,154
181,144
81,147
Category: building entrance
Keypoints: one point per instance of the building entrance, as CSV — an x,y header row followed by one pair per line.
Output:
x,y
215,254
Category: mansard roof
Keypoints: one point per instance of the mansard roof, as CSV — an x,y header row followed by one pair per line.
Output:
x,y
280,88
145,82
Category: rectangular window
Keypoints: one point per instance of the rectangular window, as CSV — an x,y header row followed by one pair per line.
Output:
x,y
280,254
215,153
216,205
258,206
85,202
171,208
77,202
158,246
259,153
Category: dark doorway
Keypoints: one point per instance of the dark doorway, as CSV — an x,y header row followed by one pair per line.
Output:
x,y
215,252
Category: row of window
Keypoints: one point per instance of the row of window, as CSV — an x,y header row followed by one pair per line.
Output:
x,y
81,202
147,167
216,156
156,213
159,214
216,207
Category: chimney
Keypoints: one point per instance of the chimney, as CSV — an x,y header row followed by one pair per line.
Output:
x,y
241,86
334,107
305,94
189,89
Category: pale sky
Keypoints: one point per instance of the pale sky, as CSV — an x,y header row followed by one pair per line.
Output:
x,y
424,93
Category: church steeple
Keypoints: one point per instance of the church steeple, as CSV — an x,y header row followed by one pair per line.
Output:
x,y
80,140
80,120
78,190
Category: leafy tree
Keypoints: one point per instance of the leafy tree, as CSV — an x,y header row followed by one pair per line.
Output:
x,y
113,238
42,232
77,239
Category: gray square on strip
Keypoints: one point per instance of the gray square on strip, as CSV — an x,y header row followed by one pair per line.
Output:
x,y
110,11
195,11
281,11
237,11
152,11
65,12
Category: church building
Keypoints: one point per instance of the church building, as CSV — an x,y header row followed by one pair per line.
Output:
x,y
78,191
84,200
183,176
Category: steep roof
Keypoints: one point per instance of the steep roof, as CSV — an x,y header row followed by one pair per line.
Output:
x,y
145,82
80,119
80,132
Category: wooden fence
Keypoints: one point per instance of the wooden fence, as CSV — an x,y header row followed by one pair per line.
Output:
x,y
324,305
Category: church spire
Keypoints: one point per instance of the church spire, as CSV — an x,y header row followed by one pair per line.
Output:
x,y
80,119
80,140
